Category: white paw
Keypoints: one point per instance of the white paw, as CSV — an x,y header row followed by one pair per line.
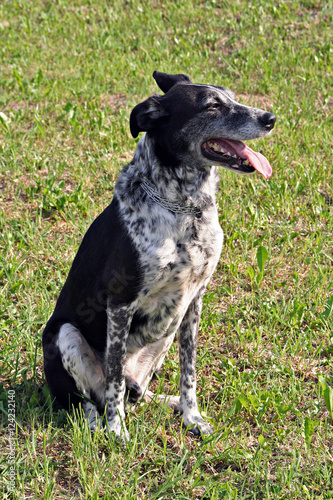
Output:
x,y
118,427
96,424
93,417
170,401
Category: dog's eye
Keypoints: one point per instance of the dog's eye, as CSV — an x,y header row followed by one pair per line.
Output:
x,y
213,105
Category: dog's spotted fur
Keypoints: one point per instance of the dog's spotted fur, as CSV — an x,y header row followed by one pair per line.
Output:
x,y
140,274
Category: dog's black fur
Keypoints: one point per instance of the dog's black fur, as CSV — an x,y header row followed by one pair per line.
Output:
x,y
141,271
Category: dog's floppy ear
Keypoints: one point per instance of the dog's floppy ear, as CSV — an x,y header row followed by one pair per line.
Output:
x,y
166,81
145,115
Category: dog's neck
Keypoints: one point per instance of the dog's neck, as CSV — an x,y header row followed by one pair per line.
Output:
x,y
176,208
177,184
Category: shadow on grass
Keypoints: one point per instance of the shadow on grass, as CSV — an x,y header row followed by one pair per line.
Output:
x,y
30,402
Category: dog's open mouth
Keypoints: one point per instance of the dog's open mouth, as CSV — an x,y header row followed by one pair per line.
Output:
x,y
237,156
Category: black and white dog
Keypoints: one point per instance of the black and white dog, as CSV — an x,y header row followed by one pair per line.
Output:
x,y
141,271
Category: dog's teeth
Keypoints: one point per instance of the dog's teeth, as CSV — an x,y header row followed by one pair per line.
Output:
x,y
215,146
235,166
246,162
219,149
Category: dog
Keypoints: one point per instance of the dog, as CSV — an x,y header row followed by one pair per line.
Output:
x,y
140,274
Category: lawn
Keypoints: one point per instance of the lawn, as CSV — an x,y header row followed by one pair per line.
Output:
x,y
71,71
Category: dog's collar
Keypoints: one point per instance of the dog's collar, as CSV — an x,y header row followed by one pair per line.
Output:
x,y
169,205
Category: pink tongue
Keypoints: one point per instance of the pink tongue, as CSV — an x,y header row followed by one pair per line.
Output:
x,y
257,160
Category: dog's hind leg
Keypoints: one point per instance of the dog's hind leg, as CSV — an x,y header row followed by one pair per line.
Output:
x,y
81,364
141,365
170,401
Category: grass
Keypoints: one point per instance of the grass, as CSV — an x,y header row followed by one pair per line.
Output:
x,y
70,73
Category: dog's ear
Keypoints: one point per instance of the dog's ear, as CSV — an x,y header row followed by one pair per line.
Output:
x,y
166,81
146,115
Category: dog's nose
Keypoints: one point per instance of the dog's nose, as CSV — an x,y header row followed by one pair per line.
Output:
x,y
268,120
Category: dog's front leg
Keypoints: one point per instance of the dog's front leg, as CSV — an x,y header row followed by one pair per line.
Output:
x,y
118,324
187,340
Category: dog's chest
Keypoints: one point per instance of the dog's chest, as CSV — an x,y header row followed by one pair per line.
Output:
x,y
177,261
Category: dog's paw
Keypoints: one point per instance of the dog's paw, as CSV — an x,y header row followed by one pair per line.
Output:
x,y
94,419
170,401
133,392
117,428
96,424
197,425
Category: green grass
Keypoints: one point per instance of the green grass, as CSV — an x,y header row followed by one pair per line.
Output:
x,y
71,71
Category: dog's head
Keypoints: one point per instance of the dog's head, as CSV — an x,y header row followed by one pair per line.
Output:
x,y
202,123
